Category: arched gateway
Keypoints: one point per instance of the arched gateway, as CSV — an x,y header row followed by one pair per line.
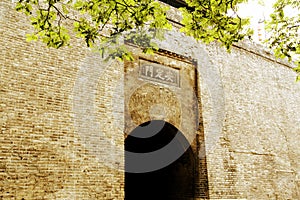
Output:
x,y
171,182
162,97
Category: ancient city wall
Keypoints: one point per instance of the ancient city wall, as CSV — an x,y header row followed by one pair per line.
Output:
x,y
50,133
64,113
259,146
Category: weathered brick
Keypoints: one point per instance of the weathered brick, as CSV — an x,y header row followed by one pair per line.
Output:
x,y
64,115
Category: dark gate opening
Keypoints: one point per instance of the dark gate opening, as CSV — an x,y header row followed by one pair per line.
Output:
x,y
176,181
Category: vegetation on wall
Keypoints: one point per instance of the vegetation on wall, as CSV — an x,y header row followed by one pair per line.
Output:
x,y
284,31
100,21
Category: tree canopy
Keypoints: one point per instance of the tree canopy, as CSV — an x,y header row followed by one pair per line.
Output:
x,y
284,31
97,21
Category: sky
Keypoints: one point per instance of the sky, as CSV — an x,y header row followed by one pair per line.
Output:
x,y
256,10
257,13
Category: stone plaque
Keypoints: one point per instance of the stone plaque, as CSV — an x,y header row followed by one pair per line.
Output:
x,y
159,73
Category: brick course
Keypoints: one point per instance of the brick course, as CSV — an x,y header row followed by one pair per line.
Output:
x,y
64,113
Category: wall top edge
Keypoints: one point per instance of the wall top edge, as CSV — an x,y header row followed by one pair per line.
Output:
x,y
262,51
247,45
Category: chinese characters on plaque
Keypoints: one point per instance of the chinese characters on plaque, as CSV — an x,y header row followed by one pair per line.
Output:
x,y
159,73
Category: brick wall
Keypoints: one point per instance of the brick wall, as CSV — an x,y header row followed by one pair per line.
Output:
x,y
47,150
258,151
63,119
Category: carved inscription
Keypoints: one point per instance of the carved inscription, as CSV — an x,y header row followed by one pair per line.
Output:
x,y
159,73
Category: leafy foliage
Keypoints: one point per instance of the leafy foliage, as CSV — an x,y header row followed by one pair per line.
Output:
x,y
284,31
97,20
93,20
103,21
210,20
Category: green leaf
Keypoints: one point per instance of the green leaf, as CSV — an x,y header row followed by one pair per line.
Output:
x,y
31,37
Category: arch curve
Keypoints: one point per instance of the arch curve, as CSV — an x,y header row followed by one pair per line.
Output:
x,y
174,180
147,106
